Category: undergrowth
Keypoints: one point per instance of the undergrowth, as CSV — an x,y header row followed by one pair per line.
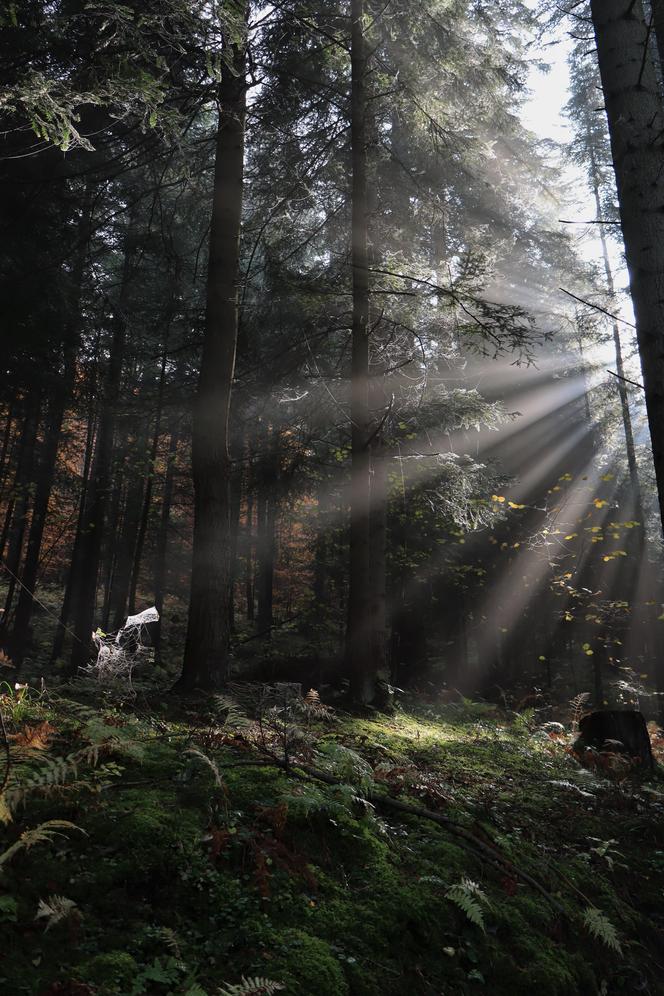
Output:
x,y
249,844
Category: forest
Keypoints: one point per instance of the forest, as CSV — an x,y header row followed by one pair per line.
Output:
x,y
332,497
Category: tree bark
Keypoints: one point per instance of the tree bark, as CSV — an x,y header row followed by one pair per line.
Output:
x,y
44,485
52,436
135,468
21,505
617,344
73,572
657,7
5,457
206,658
149,483
358,635
236,504
636,127
249,541
161,560
378,548
267,519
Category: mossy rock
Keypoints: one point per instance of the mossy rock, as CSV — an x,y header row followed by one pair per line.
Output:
x,y
307,965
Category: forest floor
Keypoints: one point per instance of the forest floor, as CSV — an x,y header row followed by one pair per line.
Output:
x,y
190,859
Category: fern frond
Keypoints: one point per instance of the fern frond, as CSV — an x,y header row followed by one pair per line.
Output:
x,y
577,705
210,762
347,765
601,928
467,895
431,879
170,939
312,706
230,713
252,987
42,834
53,772
54,910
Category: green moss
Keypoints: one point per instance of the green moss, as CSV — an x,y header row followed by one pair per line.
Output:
x,y
307,965
114,971
374,921
146,833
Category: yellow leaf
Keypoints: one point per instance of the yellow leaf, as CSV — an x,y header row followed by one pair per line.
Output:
x,y
599,502
513,504
498,498
571,536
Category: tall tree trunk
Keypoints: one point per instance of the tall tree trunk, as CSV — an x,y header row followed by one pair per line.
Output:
x,y
249,541
358,635
206,659
378,545
6,448
161,561
236,504
657,7
135,467
21,507
94,516
44,484
617,344
636,127
20,441
149,486
267,518
321,545
73,572
52,435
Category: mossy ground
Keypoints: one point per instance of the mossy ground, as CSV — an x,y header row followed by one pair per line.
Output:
x,y
183,886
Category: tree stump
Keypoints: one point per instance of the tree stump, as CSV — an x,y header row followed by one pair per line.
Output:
x,y
621,731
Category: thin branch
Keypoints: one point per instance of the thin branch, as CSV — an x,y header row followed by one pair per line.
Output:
x,y
603,311
634,383
595,221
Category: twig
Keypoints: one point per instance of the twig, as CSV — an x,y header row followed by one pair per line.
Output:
x,y
589,304
594,221
634,383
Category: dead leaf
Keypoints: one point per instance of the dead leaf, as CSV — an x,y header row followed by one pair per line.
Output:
x,y
35,737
